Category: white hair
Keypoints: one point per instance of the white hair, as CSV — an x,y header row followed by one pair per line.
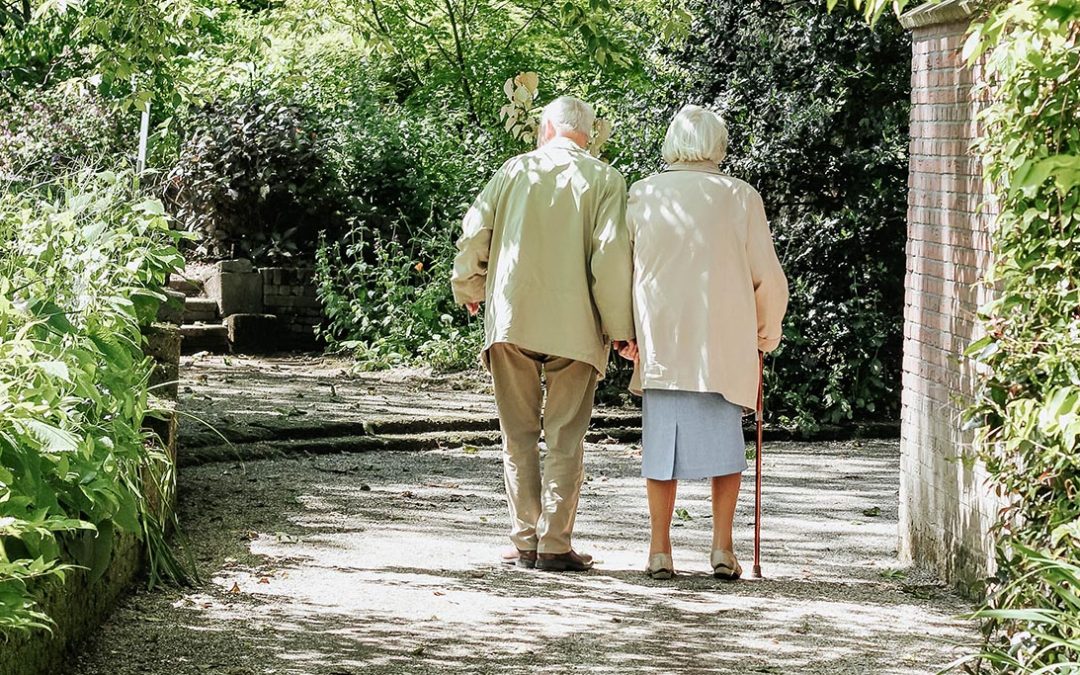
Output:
x,y
696,135
568,114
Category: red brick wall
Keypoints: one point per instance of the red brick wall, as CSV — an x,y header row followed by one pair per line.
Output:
x,y
945,507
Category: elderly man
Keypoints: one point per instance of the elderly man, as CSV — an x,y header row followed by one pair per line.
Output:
x,y
546,246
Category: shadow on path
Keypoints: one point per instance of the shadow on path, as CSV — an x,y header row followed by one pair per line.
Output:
x,y
384,563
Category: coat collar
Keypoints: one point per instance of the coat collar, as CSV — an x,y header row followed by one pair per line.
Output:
x,y
706,166
564,143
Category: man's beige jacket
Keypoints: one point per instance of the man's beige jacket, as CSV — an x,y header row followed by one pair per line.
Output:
x,y
708,288
545,245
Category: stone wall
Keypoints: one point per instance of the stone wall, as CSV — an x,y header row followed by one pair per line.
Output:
x,y
289,294
78,606
83,601
945,505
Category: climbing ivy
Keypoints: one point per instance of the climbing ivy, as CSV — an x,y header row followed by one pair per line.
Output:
x,y
1027,413
1028,409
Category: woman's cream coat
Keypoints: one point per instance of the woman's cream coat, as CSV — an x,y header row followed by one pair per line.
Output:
x,y
708,288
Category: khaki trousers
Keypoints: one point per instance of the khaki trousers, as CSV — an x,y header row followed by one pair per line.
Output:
x,y
542,506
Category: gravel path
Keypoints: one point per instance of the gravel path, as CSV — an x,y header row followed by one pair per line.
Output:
x,y
384,562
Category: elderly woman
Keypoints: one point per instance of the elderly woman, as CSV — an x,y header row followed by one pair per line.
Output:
x,y
709,294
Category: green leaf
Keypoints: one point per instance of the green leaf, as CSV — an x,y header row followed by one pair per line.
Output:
x,y
52,439
57,369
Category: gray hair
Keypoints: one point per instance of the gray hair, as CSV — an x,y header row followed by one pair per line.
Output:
x,y
568,114
696,135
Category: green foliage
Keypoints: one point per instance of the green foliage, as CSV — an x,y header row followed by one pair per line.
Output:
x,y
128,48
454,56
818,108
393,306
35,50
1028,409
49,132
81,269
253,178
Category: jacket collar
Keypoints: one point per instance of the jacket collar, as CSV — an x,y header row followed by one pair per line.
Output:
x,y
564,143
706,166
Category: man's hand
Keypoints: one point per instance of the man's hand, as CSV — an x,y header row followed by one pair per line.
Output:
x,y
627,349
473,307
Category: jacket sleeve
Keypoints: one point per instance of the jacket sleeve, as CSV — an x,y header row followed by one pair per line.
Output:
x,y
770,284
611,264
469,278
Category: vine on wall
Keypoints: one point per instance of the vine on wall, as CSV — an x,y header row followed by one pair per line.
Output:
x,y
1027,414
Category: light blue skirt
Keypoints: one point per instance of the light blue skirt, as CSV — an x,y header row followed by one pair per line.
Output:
x,y
689,435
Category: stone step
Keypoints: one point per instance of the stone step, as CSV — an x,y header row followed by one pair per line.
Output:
x,y
172,310
412,442
604,424
188,456
204,337
200,309
264,440
189,287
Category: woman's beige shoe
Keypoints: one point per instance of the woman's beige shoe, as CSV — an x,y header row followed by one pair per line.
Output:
x,y
725,565
660,566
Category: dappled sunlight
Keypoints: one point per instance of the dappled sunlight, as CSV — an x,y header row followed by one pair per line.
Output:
x,y
401,574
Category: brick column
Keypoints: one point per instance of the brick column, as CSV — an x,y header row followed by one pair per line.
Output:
x,y
945,505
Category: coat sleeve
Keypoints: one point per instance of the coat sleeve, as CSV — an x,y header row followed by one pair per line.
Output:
x,y
770,284
611,264
469,278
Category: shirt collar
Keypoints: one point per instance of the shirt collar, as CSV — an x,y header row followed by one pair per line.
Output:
x,y
563,142
706,166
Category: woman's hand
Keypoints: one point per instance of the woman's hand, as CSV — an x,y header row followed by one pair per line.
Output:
x,y
628,350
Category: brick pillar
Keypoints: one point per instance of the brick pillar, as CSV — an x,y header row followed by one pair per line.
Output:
x,y
945,505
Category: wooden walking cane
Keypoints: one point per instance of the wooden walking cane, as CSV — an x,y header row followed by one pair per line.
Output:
x,y
757,473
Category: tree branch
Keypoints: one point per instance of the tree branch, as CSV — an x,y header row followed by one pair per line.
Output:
x,y
381,27
466,87
524,26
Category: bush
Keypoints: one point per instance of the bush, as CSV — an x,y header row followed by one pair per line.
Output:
x,y
254,179
303,149
818,108
392,305
1028,408
81,268
48,132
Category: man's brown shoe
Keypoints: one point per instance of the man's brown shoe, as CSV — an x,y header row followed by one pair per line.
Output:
x,y
519,557
564,562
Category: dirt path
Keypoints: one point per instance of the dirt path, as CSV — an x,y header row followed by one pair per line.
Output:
x,y
383,562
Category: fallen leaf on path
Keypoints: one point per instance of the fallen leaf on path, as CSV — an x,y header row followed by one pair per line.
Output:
x,y
683,514
439,593
264,580
235,588
872,511
417,652
470,449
